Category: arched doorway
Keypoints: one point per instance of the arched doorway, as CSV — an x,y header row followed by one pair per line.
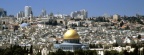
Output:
x,y
61,22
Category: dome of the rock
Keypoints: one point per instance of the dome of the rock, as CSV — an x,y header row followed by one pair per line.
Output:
x,y
71,34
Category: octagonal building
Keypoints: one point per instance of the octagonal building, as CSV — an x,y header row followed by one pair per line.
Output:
x,y
71,42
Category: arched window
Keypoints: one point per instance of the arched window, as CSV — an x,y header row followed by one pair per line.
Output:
x,y
61,22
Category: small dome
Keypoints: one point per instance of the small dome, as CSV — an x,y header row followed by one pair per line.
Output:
x,y
71,34
24,24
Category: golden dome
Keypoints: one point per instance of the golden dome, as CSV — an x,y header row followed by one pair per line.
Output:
x,y
71,34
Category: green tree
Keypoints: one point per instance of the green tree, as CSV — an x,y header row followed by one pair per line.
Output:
x,y
39,53
7,52
121,53
25,50
139,37
31,49
114,52
14,50
69,53
1,51
119,20
78,52
107,53
136,51
18,51
143,51
121,24
115,44
125,52
91,52
51,53
131,53
60,52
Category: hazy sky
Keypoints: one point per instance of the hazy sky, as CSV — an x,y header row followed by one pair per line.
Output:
x,y
94,7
